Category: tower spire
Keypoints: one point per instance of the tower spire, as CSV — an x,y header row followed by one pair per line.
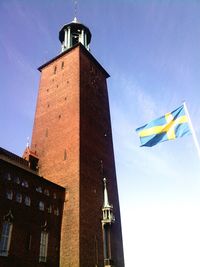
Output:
x,y
106,201
75,9
108,220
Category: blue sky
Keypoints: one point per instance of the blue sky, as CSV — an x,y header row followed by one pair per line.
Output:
x,y
151,49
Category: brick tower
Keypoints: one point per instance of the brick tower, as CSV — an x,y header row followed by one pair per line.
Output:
x,y
71,137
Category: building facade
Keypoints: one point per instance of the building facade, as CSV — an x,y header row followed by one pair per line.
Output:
x,y
31,210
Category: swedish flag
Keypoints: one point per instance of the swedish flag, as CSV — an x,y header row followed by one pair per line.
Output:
x,y
168,127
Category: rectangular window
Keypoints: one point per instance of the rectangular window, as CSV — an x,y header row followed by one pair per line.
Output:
x,y
28,242
43,247
55,68
5,238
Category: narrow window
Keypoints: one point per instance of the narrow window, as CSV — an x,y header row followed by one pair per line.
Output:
x,y
41,205
28,242
9,195
56,212
62,66
25,184
46,192
19,198
50,209
39,189
8,176
43,247
55,69
27,201
5,238
17,180
65,154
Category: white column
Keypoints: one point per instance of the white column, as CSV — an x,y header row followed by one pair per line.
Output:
x,y
69,38
65,39
82,38
86,40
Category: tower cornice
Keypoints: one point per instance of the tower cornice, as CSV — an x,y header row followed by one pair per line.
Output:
x,y
84,50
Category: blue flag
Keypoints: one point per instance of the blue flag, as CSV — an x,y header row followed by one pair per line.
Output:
x,y
168,127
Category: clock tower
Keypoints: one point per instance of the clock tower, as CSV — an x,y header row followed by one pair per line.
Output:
x,y
71,137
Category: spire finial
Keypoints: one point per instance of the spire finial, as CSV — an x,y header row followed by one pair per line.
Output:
x,y
27,144
106,201
75,9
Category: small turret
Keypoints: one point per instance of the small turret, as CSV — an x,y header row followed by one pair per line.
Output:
x,y
73,33
108,220
108,217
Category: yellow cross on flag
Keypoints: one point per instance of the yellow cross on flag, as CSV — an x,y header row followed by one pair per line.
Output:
x,y
168,127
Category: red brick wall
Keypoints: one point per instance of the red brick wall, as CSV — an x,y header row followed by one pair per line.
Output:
x,y
78,93
96,145
58,150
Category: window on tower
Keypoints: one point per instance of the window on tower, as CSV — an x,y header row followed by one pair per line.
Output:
x,y
65,154
55,69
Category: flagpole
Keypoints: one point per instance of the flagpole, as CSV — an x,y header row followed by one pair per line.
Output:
x,y
192,129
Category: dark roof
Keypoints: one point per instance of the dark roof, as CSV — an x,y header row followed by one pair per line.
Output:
x,y
15,160
74,27
13,157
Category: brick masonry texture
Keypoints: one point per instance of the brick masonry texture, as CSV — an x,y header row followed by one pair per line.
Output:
x,y
71,135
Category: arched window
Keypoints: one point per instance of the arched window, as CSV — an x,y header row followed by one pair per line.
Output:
x,y
41,205
19,198
8,176
17,180
39,189
5,238
27,201
9,194
43,246
46,192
